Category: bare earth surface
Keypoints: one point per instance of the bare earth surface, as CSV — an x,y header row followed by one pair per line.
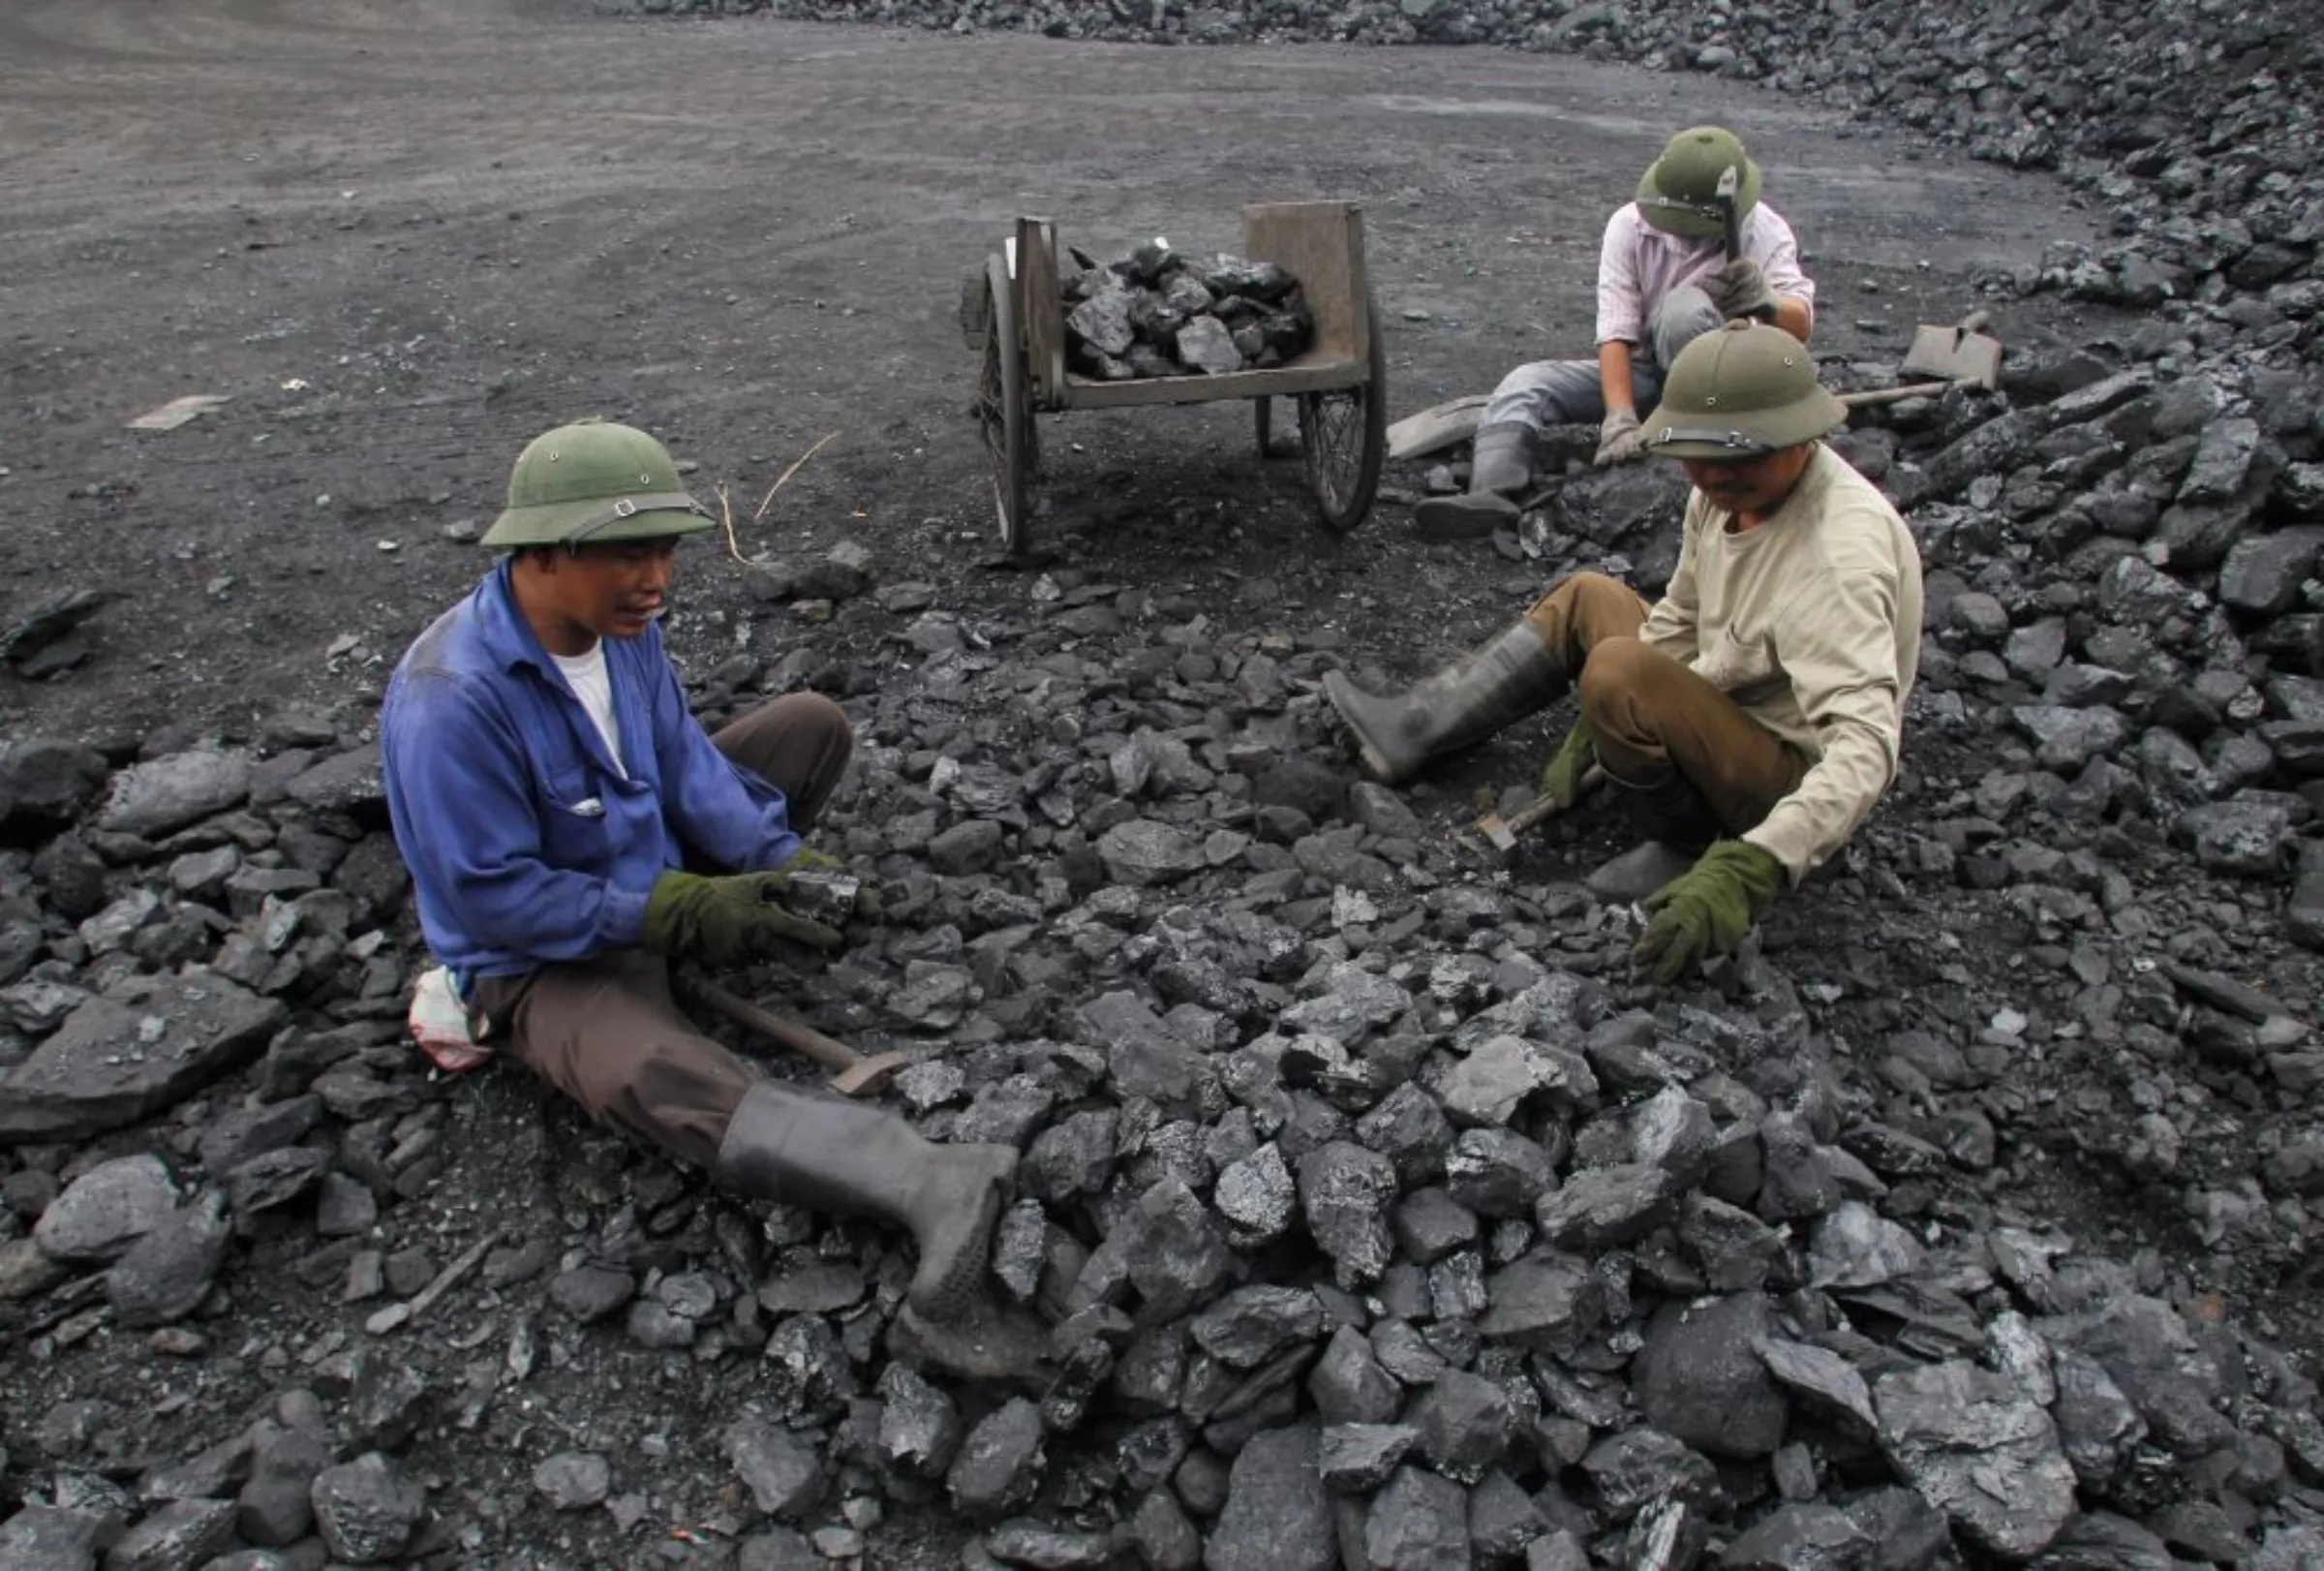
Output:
x,y
400,240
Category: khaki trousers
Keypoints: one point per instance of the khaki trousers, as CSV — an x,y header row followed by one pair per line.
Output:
x,y
1648,713
606,1032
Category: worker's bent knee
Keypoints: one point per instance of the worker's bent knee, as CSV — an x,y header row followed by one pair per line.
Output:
x,y
1618,671
1595,583
810,715
818,709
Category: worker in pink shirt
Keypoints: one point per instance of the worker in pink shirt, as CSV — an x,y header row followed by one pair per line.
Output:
x,y
1662,281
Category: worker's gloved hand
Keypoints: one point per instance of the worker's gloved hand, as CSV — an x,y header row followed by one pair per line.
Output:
x,y
1706,911
1561,776
868,907
1740,290
728,920
1618,441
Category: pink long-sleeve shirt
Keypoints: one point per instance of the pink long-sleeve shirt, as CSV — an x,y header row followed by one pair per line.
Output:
x,y
1638,265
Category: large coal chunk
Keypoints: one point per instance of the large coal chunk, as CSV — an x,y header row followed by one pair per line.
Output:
x,y
1419,1522
1953,1430
45,783
1177,1257
1346,1193
124,1056
1701,1379
161,794
1277,1516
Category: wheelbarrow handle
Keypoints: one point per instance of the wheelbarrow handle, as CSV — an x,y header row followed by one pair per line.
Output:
x,y
1896,395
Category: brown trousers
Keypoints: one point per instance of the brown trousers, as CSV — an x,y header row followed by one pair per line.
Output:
x,y
605,1031
1648,713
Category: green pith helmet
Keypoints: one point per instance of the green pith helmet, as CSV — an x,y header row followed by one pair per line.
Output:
x,y
593,482
1743,391
1679,192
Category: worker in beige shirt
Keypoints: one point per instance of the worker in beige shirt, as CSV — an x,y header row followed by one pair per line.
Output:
x,y
1752,717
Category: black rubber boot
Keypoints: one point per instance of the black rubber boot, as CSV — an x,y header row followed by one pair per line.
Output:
x,y
824,1155
1464,703
1499,471
1674,824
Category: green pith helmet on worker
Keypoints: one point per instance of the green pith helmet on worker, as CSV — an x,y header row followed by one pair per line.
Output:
x,y
594,482
1743,391
1679,192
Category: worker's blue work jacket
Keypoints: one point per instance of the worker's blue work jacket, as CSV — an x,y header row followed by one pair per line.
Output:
x,y
526,844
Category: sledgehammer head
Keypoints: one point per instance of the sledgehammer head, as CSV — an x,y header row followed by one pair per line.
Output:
x,y
1503,832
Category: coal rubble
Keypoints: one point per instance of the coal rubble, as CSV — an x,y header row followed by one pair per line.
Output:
x,y
1154,313
1367,1212
1368,1215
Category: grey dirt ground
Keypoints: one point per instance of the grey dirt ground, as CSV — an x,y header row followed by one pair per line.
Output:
x,y
400,239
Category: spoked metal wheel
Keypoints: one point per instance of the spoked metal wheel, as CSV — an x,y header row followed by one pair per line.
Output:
x,y
1004,412
1343,436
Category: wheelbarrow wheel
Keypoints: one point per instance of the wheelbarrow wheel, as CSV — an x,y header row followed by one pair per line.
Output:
x,y
1343,436
1004,413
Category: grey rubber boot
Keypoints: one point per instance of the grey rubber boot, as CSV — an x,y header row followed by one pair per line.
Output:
x,y
1497,686
1500,469
825,1155
1675,824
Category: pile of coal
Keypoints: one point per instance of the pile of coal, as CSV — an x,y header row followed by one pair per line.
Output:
x,y
1367,1213
1155,313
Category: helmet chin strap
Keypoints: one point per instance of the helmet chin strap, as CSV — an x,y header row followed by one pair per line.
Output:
x,y
621,507
1707,211
1734,442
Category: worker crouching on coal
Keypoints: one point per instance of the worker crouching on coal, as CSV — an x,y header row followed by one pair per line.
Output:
x,y
1664,280
571,831
1750,719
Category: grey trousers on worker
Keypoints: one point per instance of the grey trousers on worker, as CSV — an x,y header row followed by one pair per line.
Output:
x,y
606,1032
1566,392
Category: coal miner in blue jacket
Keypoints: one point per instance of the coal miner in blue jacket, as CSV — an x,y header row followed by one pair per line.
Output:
x,y
529,839
571,830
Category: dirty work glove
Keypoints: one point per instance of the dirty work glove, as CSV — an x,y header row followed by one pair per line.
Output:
x,y
1618,441
868,907
1561,776
1739,289
1706,911
727,921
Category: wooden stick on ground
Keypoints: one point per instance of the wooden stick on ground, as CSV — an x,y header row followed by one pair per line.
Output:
x,y
784,479
734,546
450,1277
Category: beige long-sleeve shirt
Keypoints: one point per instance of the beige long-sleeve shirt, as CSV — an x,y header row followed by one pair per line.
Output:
x,y
1812,623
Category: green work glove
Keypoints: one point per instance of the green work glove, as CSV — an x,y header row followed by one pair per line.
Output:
x,y
727,921
1561,776
1706,911
806,859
